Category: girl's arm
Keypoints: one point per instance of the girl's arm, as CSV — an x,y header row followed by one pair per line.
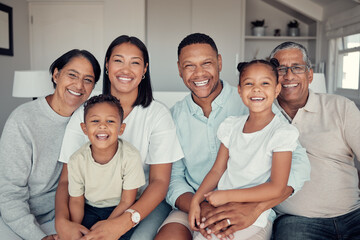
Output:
x,y
275,188
242,215
128,198
76,207
212,178
208,184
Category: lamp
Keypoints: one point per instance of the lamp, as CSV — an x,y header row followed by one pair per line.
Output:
x,y
318,84
32,84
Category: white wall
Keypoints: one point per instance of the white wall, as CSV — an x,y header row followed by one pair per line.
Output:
x,y
169,21
120,17
20,60
123,17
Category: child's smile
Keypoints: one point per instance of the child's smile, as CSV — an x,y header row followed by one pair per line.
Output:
x,y
258,87
103,126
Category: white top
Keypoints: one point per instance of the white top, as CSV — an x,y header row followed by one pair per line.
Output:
x,y
102,184
151,130
250,154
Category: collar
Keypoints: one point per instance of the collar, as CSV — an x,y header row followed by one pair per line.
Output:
x,y
282,111
312,105
219,101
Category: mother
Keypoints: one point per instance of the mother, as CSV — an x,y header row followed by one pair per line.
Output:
x,y
149,127
30,146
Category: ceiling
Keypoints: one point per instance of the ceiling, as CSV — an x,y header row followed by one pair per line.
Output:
x,y
310,11
324,3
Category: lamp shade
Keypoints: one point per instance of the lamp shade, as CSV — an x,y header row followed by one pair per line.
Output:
x,y
318,84
30,84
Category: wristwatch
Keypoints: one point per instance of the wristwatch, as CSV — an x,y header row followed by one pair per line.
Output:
x,y
135,216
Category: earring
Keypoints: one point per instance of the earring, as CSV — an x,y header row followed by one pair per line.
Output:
x,y
143,76
106,72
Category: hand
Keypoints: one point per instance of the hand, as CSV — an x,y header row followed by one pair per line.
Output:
x,y
50,237
194,216
104,230
70,230
240,215
206,208
216,198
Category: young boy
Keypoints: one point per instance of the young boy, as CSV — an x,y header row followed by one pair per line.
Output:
x,y
106,172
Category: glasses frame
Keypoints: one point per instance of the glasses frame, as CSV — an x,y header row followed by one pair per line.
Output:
x,y
292,69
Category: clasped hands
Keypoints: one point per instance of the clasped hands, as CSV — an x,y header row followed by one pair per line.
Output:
x,y
216,216
101,230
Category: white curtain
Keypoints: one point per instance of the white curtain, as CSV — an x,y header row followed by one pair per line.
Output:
x,y
343,24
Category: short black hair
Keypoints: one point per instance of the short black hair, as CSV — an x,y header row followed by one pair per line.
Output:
x,y
64,59
103,98
145,95
273,63
197,38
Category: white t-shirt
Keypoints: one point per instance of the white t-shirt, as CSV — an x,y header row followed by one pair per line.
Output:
x,y
151,130
250,154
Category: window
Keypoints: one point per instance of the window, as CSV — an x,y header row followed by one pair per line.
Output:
x,y
347,66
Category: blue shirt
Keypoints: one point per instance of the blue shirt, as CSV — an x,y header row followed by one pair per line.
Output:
x,y
197,136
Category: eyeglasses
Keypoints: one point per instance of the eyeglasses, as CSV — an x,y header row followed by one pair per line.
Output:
x,y
298,69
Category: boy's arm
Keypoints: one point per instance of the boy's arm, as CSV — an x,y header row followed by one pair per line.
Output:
x,y
127,199
76,207
65,228
275,188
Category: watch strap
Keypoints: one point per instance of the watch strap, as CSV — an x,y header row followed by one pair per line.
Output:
x,y
133,215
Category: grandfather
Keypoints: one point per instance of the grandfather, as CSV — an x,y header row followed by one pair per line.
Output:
x,y
328,206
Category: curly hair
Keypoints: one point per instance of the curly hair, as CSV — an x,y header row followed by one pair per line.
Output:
x,y
103,98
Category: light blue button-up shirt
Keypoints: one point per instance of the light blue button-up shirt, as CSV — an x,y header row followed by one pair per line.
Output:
x,y
197,136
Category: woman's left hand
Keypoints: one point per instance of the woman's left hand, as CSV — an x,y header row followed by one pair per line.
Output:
x,y
105,230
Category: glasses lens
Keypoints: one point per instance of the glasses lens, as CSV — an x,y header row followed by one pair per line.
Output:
x,y
298,69
282,70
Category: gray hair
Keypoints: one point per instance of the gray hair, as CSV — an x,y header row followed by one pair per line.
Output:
x,y
289,45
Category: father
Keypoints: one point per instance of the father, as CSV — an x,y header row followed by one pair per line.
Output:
x,y
328,206
197,118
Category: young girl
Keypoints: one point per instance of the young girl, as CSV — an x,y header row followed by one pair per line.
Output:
x,y
254,159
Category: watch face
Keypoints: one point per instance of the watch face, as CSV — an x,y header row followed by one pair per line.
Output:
x,y
135,217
